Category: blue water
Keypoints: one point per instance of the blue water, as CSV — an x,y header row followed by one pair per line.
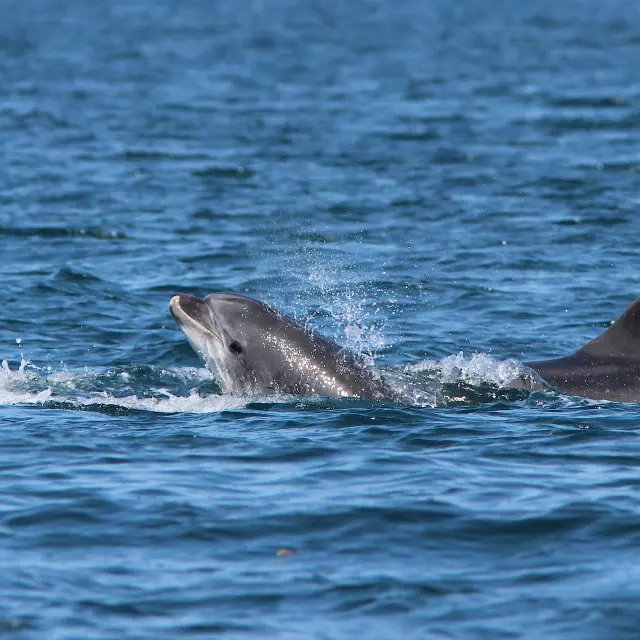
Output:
x,y
452,186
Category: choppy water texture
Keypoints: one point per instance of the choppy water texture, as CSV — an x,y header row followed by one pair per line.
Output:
x,y
448,185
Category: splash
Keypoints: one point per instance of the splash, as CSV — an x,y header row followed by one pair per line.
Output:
x,y
14,385
476,379
454,380
193,403
134,388
352,310
479,368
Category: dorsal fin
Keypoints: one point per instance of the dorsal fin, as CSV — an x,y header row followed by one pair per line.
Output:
x,y
620,340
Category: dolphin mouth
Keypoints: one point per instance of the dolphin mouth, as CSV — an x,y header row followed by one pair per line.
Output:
x,y
192,313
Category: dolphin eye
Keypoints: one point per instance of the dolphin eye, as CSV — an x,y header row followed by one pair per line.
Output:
x,y
235,347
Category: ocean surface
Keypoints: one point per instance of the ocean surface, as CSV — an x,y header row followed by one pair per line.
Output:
x,y
449,188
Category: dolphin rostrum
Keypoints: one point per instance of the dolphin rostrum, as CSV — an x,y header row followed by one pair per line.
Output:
x,y
252,348
607,368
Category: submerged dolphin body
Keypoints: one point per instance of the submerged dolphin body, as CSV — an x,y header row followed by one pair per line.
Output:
x,y
252,348
607,368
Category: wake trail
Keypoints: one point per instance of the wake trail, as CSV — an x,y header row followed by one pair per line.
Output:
x,y
187,389
454,380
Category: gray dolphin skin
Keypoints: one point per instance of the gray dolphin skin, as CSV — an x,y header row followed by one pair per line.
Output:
x,y
607,368
251,348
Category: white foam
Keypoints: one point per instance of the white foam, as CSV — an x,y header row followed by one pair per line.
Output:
x,y
194,403
12,397
25,386
31,385
479,368
9,379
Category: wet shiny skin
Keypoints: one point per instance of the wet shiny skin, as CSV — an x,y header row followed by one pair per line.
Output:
x,y
251,348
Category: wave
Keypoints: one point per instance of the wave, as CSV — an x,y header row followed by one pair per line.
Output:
x,y
141,388
455,380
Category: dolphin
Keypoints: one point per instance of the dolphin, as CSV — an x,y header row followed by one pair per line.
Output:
x,y
607,368
252,348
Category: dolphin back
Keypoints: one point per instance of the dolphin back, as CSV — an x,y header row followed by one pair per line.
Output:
x,y
606,368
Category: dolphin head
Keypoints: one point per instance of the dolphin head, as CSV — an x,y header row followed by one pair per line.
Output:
x,y
252,348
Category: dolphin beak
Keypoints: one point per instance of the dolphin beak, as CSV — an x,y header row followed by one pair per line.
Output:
x,y
185,307
194,317
189,311
174,307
